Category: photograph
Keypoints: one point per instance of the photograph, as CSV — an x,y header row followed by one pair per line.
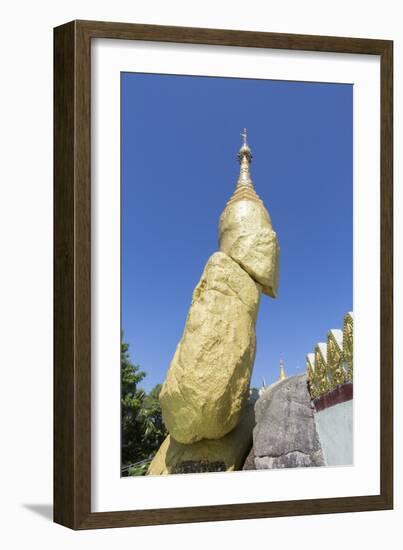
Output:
x,y
236,274
223,311
198,252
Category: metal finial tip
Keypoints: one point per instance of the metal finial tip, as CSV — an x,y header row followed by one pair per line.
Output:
x,y
244,151
244,135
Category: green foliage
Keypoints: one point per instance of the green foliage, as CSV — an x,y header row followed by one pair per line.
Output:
x,y
153,425
132,399
142,426
139,469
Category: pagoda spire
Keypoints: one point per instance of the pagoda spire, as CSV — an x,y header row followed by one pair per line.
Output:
x,y
244,188
283,375
245,158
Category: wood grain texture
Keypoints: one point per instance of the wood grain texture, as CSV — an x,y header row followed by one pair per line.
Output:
x,y
64,376
72,296
72,274
386,353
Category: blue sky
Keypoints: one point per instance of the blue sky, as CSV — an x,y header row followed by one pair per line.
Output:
x,y
180,137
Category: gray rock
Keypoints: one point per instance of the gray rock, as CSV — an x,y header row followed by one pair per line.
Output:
x,y
249,463
285,435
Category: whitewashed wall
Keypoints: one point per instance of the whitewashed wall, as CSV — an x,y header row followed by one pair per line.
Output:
x,y
335,429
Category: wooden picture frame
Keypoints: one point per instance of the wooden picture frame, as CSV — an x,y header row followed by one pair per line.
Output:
x,y
72,271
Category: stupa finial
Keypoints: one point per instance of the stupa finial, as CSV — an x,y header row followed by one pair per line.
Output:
x,y
245,154
283,376
243,134
244,187
245,158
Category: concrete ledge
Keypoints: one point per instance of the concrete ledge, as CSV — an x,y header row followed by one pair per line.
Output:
x,y
338,395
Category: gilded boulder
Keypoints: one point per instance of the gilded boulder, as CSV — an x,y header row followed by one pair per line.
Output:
x,y
207,383
246,235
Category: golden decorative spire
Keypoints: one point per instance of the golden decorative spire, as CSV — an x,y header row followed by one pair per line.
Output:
x,y
283,376
244,187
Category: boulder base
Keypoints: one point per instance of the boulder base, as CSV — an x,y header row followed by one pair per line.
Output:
x,y
208,379
209,455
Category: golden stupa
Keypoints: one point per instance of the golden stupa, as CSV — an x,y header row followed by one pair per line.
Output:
x,y
205,396
245,229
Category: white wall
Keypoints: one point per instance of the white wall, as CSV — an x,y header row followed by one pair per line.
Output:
x,y
335,430
26,267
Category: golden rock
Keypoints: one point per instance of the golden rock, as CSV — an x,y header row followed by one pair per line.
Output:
x,y
209,455
246,233
208,379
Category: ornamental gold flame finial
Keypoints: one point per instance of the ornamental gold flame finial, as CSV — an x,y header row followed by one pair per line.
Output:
x,y
282,371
